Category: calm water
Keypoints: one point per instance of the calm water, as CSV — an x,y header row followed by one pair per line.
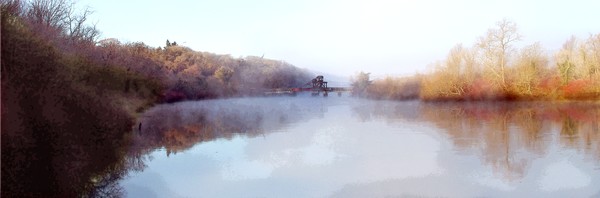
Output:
x,y
349,147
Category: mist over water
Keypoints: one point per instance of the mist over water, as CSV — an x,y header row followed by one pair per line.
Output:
x,y
349,147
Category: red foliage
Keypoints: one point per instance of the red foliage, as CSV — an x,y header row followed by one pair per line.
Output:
x,y
479,89
576,88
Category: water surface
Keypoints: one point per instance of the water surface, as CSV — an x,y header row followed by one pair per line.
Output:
x,y
350,147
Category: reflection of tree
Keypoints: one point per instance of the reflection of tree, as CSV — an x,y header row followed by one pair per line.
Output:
x,y
178,127
580,127
488,128
368,109
528,120
510,135
569,129
166,127
78,159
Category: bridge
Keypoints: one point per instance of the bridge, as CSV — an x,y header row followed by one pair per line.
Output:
x,y
316,86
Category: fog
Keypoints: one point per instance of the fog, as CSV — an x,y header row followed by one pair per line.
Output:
x,y
350,147
223,118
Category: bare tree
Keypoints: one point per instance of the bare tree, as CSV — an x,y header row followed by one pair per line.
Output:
x,y
451,78
11,7
50,13
60,15
497,45
78,29
590,55
566,60
530,65
452,72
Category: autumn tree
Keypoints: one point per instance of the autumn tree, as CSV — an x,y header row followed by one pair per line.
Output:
x,y
224,74
497,45
592,61
50,13
77,28
47,109
453,72
590,57
59,16
452,77
566,60
529,68
578,66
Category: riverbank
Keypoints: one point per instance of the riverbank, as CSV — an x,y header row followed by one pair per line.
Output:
x,y
496,69
69,101
422,88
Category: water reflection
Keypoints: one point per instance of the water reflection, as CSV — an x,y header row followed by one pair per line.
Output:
x,y
350,147
314,140
49,162
178,127
508,136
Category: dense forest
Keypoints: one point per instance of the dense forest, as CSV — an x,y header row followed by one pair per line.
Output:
x,y
495,69
66,95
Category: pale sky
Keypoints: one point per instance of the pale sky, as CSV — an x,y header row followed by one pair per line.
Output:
x,y
340,37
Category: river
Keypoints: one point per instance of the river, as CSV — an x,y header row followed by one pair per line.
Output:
x,y
334,146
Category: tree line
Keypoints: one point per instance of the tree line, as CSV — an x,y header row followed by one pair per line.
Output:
x,y
188,74
495,69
